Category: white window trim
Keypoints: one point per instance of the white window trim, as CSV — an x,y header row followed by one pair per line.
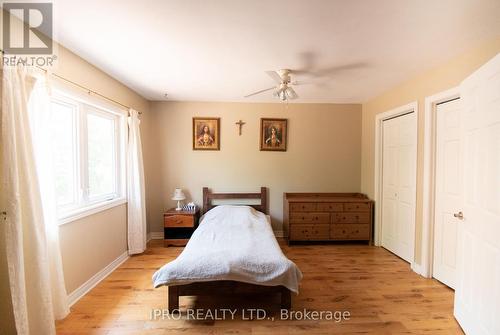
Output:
x,y
90,210
122,134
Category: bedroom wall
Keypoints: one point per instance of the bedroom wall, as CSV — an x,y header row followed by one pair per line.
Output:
x,y
439,79
90,244
323,154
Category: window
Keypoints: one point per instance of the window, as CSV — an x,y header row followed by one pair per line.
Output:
x,y
87,153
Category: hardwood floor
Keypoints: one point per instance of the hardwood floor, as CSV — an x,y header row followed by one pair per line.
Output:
x,y
381,293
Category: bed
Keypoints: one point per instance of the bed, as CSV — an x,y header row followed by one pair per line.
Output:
x,y
233,251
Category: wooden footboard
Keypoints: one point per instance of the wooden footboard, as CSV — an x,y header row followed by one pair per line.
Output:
x,y
225,287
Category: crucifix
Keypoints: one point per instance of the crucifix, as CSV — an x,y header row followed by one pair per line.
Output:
x,y
240,124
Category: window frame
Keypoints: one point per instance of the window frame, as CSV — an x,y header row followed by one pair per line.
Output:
x,y
85,105
76,157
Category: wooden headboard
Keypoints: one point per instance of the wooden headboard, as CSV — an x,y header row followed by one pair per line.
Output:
x,y
208,196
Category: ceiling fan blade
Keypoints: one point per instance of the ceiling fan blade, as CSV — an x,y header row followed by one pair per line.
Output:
x,y
274,76
261,91
302,72
290,92
300,82
329,71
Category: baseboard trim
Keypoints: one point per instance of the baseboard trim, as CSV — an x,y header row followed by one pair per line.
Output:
x,y
155,235
77,294
279,233
417,268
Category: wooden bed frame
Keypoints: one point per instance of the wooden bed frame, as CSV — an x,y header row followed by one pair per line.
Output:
x,y
228,287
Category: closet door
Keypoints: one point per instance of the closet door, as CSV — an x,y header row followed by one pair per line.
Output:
x,y
398,185
448,196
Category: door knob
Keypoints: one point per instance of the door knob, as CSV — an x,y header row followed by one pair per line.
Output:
x,y
459,215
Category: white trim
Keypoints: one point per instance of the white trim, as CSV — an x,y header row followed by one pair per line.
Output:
x,y
279,233
77,294
155,235
90,210
411,107
417,268
429,176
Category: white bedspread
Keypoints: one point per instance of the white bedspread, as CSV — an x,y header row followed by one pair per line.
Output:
x,y
232,243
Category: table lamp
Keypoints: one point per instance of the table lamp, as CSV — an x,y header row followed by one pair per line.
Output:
x,y
178,196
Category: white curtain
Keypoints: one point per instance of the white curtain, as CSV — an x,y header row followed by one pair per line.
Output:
x,y
31,233
136,208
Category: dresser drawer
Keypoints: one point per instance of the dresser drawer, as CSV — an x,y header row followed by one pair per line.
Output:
x,y
357,207
302,217
304,232
179,221
347,217
302,207
329,207
350,232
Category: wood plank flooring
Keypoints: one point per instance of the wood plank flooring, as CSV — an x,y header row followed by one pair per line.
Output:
x,y
381,293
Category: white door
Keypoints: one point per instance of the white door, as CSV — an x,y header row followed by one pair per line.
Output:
x,y
398,185
448,193
477,294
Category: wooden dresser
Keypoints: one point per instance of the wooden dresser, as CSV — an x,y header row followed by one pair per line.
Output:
x,y
327,217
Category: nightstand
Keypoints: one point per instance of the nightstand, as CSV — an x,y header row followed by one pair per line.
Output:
x,y
179,226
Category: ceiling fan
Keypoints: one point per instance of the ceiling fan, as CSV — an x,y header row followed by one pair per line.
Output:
x,y
283,90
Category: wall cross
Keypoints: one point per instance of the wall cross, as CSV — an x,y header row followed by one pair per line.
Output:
x,y
240,124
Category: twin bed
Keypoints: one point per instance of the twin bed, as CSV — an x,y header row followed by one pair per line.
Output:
x,y
233,251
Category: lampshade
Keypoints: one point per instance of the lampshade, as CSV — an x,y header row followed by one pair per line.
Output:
x,y
178,195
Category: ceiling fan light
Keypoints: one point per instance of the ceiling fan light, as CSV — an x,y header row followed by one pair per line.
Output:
x,y
283,95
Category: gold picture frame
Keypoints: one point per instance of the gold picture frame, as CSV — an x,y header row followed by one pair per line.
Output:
x,y
206,133
273,134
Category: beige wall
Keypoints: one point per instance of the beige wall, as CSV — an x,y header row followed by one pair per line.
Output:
x,y
437,80
90,244
323,152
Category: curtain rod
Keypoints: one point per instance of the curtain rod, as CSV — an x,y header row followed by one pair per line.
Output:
x,y
89,91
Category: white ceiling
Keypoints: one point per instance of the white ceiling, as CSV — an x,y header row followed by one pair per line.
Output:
x,y
209,50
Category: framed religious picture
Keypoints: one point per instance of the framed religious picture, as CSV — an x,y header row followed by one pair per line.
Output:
x,y
206,133
273,134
